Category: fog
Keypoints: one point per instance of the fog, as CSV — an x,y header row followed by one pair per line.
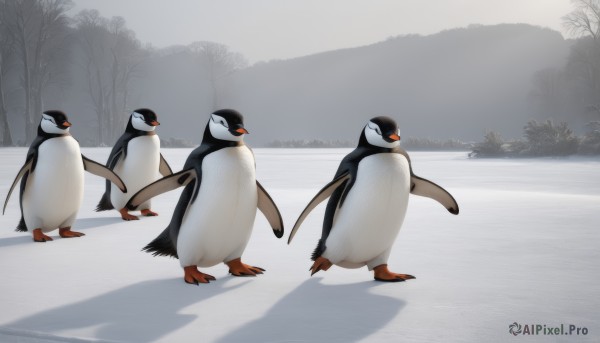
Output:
x,y
454,84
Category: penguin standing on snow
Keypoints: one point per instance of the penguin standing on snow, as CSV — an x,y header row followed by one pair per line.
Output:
x,y
136,158
213,219
52,180
369,197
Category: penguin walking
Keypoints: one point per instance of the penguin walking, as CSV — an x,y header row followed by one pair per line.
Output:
x,y
368,202
52,180
213,219
136,158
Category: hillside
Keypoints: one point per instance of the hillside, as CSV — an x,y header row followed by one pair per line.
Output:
x,y
454,84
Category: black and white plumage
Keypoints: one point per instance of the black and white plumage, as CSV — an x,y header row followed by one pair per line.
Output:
x,y
368,198
213,219
52,177
136,158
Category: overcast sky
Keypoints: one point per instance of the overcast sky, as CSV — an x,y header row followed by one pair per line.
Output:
x,y
281,29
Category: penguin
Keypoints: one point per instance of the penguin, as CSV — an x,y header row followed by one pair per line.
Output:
x,y
52,180
368,198
136,158
214,216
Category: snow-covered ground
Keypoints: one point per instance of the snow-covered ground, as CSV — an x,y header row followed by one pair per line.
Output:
x,y
525,248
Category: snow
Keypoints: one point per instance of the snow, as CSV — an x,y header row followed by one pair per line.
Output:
x,y
524,248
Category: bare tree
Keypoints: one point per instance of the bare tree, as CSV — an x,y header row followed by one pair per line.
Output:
x,y
218,61
6,48
113,58
584,20
584,64
51,52
38,27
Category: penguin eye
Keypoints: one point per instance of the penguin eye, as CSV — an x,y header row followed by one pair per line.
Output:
x,y
50,120
224,123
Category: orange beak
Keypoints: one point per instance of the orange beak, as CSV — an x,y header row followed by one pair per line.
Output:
x,y
241,130
154,123
394,136
66,123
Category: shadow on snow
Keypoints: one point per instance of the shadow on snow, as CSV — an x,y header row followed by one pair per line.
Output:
x,y
314,312
142,312
80,224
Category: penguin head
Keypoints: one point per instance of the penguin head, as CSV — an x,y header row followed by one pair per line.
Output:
x,y
227,125
55,122
382,132
143,119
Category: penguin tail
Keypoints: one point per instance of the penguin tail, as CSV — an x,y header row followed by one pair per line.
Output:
x,y
162,245
22,227
319,250
104,204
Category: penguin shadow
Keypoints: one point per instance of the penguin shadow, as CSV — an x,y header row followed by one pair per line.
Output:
x,y
314,312
94,222
9,241
142,312
79,225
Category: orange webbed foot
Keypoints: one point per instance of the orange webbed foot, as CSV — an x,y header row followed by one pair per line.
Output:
x,y
38,236
126,216
237,268
148,213
66,232
321,263
382,273
193,276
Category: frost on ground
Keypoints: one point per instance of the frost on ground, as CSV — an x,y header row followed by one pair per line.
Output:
x,y
525,249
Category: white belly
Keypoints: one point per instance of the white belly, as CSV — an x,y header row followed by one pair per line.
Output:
x,y
372,214
137,170
217,226
54,191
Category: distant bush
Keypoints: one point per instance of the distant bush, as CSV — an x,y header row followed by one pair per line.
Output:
x,y
541,139
492,146
547,139
590,143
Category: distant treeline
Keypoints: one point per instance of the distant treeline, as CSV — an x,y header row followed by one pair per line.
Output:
x,y
164,143
423,144
541,139
309,143
427,144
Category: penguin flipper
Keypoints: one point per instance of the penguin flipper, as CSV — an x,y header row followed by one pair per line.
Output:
x,y
100,170
163,185
24,169
323,194
267,206
426,188
164,169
